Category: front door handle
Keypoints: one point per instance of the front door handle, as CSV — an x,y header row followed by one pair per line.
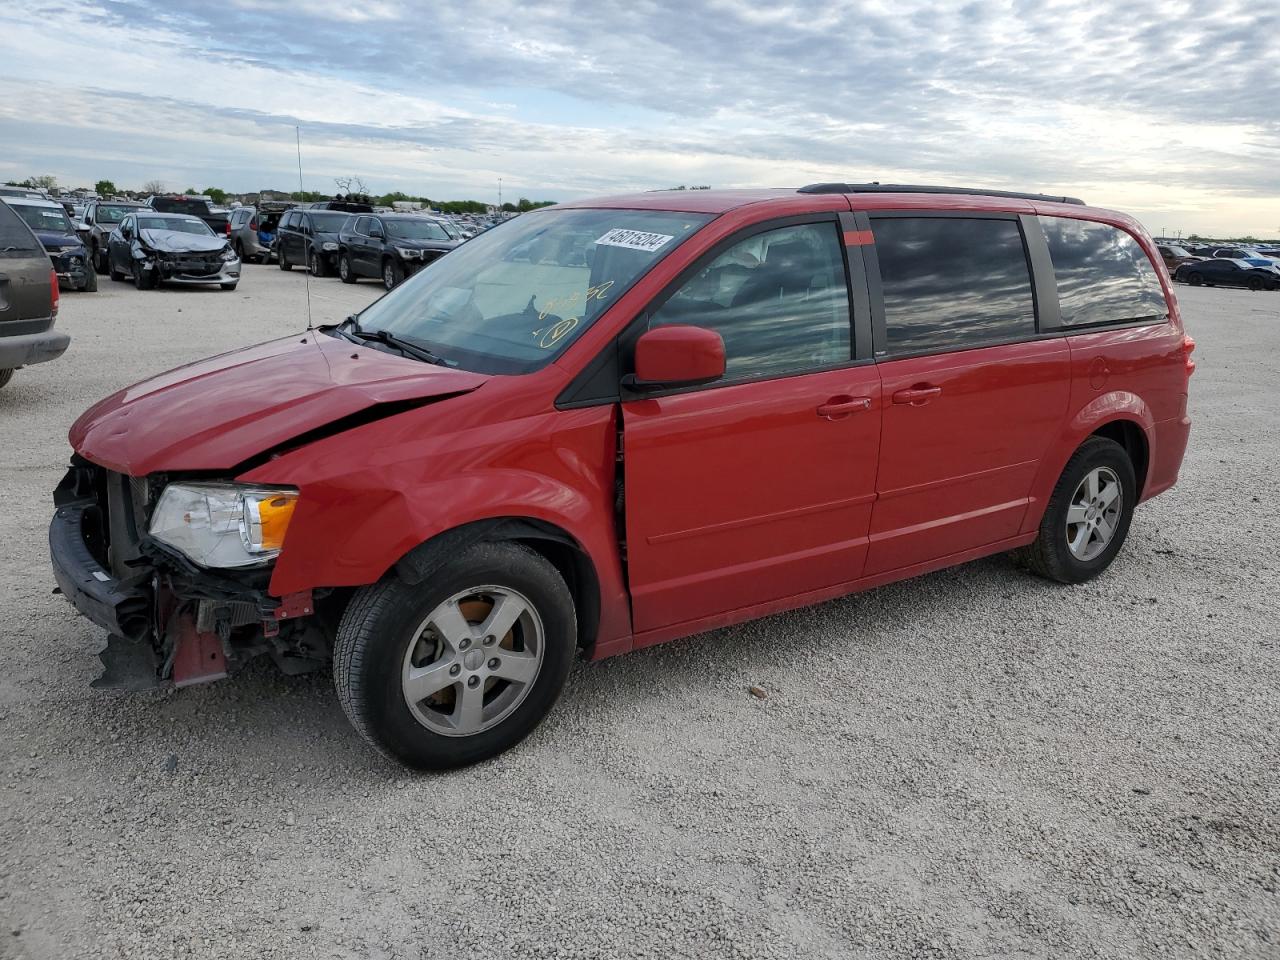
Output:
x,y
843,405
920,393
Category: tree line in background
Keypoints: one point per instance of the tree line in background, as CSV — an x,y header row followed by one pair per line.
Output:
x,y
351,188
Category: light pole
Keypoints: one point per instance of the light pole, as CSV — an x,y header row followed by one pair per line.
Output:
x,y
499,195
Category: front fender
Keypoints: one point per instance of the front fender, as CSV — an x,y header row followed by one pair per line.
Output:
x,y
1117,405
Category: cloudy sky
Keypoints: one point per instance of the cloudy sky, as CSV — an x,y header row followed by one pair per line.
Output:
x,y
1166,109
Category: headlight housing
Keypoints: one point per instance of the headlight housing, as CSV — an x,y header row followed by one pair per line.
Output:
x,y
409,253
224,524
229,254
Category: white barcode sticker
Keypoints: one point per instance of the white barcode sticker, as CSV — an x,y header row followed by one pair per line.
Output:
x,y
633,239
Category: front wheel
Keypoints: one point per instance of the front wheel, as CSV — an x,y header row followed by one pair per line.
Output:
x,y
346,273
456,670
141,278
392,273
1088,516
318,268
90,284
1255,284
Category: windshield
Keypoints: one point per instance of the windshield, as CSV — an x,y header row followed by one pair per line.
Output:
x,y
415,229
328,222
514,298
111,214
50,219
176,224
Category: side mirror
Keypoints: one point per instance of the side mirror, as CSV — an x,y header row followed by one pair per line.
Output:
x,y
677,356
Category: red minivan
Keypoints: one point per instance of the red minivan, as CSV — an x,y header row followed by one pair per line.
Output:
x,y
615,422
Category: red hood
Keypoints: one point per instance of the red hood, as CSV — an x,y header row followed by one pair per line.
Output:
x,y
217,413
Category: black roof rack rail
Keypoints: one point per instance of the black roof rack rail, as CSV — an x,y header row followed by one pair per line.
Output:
x,y
918,188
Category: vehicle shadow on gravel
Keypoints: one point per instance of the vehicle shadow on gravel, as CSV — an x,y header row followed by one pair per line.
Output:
x,y
232,723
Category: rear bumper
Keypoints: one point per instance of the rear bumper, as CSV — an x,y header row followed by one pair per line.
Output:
x,y
113,605
26,349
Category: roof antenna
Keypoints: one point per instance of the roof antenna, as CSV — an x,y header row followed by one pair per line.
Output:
x,y
297,131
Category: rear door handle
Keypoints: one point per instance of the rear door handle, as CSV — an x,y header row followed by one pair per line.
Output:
x,y
920,393
842,406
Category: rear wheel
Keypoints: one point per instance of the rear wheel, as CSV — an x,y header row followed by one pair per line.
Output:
x,y
453,671
1195,279
346,273
1088,516
1255,283
283,258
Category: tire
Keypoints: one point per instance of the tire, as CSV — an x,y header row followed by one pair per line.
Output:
x,y
113,273
1255,284
317,265
388,631
1194,279
90,284
392,273
1057,553
228,286
346,272
143,281
5,377
101,262
283,259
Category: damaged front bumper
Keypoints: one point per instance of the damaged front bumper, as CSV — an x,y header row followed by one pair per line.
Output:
x,y
167,619
191,270
72,267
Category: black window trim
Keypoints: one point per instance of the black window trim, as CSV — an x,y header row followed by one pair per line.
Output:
x,y
1044,293
1058,328
617,357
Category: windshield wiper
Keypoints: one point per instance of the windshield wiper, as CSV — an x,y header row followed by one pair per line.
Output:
x,y
405,345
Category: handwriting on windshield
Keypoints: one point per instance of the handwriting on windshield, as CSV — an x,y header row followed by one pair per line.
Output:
x,y
548,337
557,304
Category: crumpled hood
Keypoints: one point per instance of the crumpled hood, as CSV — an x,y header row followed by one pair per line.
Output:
x,y
175,241
220,412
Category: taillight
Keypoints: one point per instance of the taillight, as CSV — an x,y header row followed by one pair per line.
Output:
x,y
253,223
1188,347
228,228
53,282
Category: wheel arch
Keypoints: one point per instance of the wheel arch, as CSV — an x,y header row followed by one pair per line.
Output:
x,y
552,542
1130,435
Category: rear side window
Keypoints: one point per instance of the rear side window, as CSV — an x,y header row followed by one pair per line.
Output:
x,y
952,283
1103,275
779,300
15,239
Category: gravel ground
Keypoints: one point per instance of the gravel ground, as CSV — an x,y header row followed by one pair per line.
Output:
x,y
971,764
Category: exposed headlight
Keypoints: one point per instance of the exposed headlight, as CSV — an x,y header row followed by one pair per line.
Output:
x,y
329,246
224,524
229,254
409,253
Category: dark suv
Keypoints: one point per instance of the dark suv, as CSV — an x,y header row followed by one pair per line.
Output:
x,y
201,207
309,238
101,217
390,246
28,298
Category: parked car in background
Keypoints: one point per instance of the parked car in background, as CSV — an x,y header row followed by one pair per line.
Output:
x,y
57,234
158,248
202,207
101,217
253,229
28,298
6,191
348,206
1221,272
390,246
308,237
1175,256
1250,255
612,423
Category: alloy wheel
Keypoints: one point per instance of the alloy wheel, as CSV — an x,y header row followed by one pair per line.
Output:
x,y
473,660
1094,513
